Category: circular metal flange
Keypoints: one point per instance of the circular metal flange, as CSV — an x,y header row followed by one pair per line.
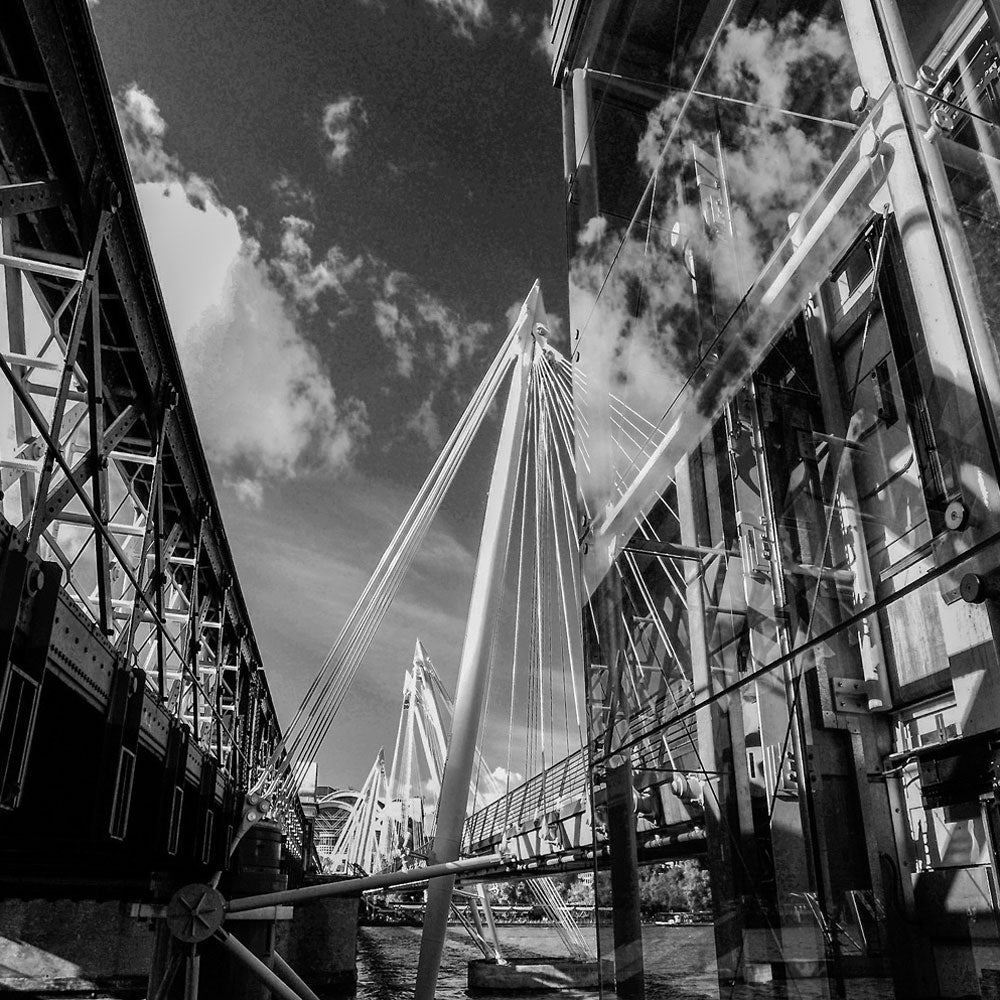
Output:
x,y
195,913
956,516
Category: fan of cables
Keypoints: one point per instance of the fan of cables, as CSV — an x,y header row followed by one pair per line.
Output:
x,y
279,776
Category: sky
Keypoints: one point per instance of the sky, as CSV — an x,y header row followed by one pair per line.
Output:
x,y
345,201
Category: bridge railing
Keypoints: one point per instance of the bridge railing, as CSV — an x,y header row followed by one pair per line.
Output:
x,y
543,793
564,786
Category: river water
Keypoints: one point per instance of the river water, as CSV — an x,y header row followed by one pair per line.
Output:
x,y
680,965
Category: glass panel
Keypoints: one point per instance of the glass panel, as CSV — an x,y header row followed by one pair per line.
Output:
x,y
681,197
787,365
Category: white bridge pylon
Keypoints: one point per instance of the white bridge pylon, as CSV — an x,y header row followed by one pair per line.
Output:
x,y
528,566
282,772
360,845
529,534
414,785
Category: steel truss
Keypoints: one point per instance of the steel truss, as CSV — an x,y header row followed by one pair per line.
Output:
x,y
104,476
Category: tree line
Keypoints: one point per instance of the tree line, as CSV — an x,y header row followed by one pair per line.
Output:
x,y
667,887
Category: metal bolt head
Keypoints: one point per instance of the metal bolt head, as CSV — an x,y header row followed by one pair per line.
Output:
x,y
928,77
944,118
972,588
34,581
956,516
859,100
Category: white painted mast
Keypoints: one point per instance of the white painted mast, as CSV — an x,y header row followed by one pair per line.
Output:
x,y
487,591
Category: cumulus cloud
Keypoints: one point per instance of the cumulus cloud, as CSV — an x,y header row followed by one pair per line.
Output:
x,y
289,191
248,491
425,425
465,16
262,389
143,129
264,399
493,784
305,279
543,42
537,28
340,124
397,330
264,403
417,325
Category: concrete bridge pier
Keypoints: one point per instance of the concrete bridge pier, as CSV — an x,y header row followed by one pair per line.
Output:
x,y
312,946
320,942
256,868
73,944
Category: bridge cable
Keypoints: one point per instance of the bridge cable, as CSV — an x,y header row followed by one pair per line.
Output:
x,y
325,694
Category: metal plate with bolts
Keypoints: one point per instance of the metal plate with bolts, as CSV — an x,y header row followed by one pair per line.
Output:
x,y
195,913
849,695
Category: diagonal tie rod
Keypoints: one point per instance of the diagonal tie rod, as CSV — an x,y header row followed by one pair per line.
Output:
x,y
353,886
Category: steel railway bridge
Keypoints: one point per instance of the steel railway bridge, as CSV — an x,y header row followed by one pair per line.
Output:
x,y
788,570
133,704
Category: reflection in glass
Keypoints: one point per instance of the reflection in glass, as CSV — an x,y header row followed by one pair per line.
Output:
x,y
787,468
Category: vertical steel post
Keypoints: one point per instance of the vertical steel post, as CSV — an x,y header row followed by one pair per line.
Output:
x,y
195,618
585,174
99,458
80,314
126,639
222,654
942,296
630,973
883,58
484,898
159,574
18,345
487,591
406,781
710,728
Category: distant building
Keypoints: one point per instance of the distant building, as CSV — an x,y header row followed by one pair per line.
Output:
x,y
333,809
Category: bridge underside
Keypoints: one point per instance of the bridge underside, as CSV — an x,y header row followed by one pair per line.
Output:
x,y
133,706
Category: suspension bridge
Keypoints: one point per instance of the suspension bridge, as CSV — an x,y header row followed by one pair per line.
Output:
x,y
126,632
733,605
525,624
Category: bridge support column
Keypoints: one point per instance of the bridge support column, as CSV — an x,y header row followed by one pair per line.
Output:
x,y
256,869
630,977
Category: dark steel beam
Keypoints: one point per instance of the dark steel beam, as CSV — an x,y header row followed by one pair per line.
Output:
x,y
17,199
